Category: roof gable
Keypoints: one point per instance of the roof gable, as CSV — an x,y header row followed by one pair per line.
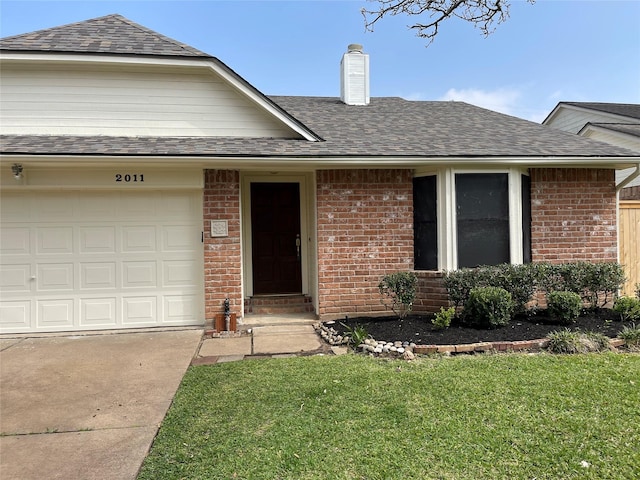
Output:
x,y
113,34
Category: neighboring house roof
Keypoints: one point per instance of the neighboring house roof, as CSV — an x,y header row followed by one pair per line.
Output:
x,y
629,110
113,34
387,127
632,129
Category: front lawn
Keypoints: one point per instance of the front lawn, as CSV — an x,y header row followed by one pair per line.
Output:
x,y
354,417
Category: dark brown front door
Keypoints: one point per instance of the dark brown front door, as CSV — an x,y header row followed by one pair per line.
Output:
x,y
275,238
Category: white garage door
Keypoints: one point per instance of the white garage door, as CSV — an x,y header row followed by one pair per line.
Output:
x,y
100,260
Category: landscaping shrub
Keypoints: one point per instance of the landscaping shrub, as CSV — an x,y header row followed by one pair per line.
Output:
x,y
628,308
398,292
518,280
595,283
488,307
631,336
443,318
564,307
569,341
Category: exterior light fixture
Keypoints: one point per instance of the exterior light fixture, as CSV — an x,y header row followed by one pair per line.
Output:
x,y
16,170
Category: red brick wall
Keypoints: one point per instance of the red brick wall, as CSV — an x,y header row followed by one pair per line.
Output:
x,y
630,193
573,214
222,259
431,294
365,230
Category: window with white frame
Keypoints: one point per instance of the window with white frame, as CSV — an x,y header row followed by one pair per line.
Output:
x,y
470,218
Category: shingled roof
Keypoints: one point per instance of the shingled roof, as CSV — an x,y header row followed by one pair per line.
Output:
x,y
387,127
630,110
109,34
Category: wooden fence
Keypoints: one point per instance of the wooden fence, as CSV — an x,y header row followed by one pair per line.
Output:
x,y
630,243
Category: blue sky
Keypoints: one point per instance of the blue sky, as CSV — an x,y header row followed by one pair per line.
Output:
x,y
552,51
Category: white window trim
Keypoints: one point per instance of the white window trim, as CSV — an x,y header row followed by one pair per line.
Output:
x,y
447,217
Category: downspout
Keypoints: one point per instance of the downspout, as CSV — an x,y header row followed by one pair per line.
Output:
x,y
629,179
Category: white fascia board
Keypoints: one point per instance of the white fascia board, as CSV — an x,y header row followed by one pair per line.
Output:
x,y
213,64
239,162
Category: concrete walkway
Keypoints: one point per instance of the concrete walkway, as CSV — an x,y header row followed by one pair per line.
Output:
x,y
87,406
267,336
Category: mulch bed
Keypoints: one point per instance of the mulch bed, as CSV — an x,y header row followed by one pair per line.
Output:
x,y
419,329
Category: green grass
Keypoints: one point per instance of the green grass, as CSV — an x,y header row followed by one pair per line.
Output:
x,y
354,417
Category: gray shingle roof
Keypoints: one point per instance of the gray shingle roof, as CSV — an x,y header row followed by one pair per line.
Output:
x,y
630,110
627,128
109,34
388,127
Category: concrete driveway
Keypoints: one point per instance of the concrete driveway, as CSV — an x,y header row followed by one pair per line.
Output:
x,y
86,406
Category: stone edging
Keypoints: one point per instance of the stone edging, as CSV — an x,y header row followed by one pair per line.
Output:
x,y
330,336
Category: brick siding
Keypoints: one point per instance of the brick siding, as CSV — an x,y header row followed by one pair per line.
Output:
x,y
630,193
573,214
365,230
222,255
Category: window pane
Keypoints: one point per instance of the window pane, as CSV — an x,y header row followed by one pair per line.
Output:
x,y
425,227
482,208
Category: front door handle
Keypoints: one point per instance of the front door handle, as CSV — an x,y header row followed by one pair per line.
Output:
x,y
298,242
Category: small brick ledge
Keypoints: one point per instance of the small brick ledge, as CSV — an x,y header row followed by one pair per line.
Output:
x,y
515,346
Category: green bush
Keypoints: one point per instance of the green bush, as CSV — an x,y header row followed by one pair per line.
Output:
x,y
631,335
564,307
443,318
488,307
595,283
518,280
628,308
568,341
398,292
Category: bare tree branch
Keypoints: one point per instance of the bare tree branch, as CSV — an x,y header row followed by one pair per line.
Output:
x,y
483,14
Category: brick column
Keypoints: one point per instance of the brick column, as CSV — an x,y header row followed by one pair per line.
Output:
x,y
222,255
573,215
365,230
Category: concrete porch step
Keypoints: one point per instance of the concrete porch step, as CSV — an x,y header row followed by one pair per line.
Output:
x,y
278,304
278,320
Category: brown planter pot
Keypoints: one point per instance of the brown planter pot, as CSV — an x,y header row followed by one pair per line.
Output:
x,y
219,323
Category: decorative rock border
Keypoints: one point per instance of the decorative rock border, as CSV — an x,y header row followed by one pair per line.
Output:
x,y
408,350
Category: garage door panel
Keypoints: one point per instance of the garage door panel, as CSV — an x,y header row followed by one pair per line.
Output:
x,y
55,276
98,312
138,205
54,207
15,241
139,274
139,239
57,313
15,278
139,310
97,207
15,316
178,308
54,240
98,275
178,273
97,239
83,260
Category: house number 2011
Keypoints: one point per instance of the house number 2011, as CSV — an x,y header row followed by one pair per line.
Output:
x,y
127,178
